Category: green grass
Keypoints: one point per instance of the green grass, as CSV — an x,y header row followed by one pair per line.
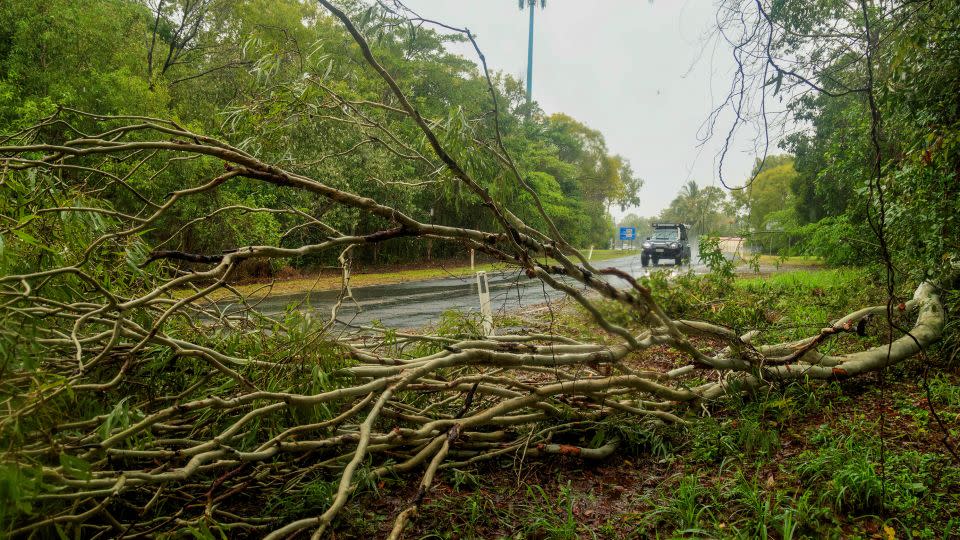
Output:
x,y
783,306
686,504
800,260
810,279
551,516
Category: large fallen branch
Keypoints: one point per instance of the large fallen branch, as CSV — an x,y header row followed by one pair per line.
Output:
x,y
130,410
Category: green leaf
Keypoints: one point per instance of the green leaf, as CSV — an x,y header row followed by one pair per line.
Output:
x,y
75,467
25,237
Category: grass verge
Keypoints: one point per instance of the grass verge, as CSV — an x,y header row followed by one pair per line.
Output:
x,y
801,260
330,279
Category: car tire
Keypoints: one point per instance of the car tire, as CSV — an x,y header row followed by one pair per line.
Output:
x,y
678,261
656,261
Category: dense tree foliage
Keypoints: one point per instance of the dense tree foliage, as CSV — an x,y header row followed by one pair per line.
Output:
x,y
875,88
265,74
767,198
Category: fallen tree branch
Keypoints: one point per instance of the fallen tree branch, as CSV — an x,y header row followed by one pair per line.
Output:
x,y
136,387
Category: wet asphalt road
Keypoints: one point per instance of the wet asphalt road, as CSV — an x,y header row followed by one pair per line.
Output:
x,y
420,303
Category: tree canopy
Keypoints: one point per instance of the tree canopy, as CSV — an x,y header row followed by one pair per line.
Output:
x,y
265,75
873,88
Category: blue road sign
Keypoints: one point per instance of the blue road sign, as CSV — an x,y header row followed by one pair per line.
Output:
x,y
628,233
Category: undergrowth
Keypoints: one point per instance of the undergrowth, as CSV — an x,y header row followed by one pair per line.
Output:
x,y
801,460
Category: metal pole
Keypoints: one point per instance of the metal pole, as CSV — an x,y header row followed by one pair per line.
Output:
x,y
486,314
530,55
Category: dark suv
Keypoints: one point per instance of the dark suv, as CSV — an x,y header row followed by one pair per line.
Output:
x,y
668,241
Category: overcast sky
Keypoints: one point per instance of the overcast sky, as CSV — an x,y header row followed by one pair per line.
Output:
x,y
636,70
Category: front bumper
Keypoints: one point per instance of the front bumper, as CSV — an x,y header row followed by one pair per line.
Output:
x,y
662,251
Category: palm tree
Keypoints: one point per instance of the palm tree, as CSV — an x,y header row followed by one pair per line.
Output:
x,y
700,207
688,203
532,4
690,190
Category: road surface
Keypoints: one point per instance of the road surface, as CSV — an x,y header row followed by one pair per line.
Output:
x,y
420,303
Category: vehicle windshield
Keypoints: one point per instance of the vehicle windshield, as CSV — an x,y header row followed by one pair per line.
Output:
x,y
665,234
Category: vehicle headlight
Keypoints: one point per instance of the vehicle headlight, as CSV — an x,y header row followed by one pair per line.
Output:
x,y
674,245
647,244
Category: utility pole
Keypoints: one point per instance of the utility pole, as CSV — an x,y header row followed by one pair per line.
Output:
x,y
531,4
530,56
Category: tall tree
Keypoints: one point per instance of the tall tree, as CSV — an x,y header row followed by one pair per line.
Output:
x,y
703,208
768,197
873,87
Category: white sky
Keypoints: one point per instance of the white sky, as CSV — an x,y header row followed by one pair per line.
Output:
x,y
636,70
